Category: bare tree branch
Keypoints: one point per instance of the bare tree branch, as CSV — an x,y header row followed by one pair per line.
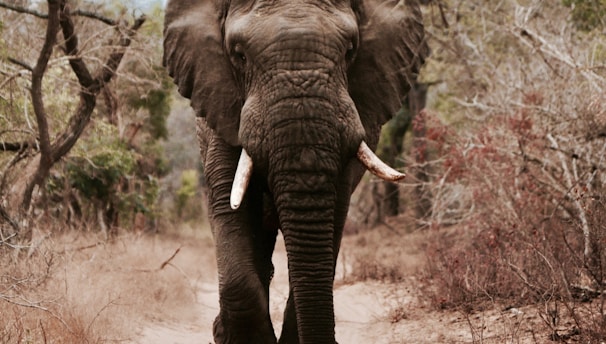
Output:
x,y
108,71
14,146
166,262
6,217
20,63
22,302
88,95
71,48
80,13
21,9
94,15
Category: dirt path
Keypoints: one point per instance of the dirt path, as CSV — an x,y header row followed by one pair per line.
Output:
x,y
366,312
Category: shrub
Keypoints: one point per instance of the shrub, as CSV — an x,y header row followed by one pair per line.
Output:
x,y
520,158
185,195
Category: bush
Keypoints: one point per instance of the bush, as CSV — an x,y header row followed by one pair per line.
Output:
x,y
107,182
185,203
517,131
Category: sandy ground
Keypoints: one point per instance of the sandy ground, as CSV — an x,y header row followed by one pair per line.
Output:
x,y
366,312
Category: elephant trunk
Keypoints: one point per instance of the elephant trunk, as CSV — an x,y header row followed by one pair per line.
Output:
x,y
311,266
305,202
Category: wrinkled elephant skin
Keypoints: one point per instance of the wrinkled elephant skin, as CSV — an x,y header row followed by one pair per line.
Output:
x,y
290,98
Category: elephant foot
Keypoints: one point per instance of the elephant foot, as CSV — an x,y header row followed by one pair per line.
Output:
x,y
244,334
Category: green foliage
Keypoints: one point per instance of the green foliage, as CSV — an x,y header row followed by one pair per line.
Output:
x,y
587,14
152,160
153,97
155,22
111,174
157,103
99,175
187,191
392,136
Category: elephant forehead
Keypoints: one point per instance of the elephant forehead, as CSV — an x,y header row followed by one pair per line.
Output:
x,y
271,6
302,21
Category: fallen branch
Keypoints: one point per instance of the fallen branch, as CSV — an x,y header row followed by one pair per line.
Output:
x,y
166,262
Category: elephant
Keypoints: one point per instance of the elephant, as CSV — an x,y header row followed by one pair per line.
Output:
x,y
289,97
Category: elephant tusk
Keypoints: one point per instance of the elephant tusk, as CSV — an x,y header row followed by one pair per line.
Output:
x,y
380,169
241,179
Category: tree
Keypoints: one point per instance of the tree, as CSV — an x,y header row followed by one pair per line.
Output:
x,y
587,14
391,150
46,144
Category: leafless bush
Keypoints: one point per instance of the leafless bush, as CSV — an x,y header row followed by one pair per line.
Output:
x,y
518,132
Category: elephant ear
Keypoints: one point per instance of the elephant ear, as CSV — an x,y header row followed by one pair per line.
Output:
x,y
195,58
392,49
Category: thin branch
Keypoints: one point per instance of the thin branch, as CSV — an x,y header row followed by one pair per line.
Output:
x,y
94,15
20,63
80,13
106,306
533,40
34,305
108,71
6,217
21,9
166,262
43,331
10,164
10,78
587,252
14,146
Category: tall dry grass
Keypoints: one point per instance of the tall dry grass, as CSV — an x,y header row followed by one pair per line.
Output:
x,y
75,288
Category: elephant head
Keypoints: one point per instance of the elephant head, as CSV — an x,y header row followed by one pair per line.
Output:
x,y
303,87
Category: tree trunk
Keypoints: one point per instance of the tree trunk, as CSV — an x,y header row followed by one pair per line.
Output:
x,y
391,146
416,102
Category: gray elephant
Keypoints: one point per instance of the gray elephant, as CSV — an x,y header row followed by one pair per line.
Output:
x,y
289,96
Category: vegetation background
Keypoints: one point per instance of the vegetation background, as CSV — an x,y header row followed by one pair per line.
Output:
x,y
503,139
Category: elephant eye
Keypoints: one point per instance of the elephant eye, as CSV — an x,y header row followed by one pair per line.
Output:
x,y
350,54
239,54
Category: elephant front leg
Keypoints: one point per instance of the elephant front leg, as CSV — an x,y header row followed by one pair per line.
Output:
x,y
290,334
243,255
243,293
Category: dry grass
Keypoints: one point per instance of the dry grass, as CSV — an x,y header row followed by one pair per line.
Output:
x,y
77,289
406,261
385,253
